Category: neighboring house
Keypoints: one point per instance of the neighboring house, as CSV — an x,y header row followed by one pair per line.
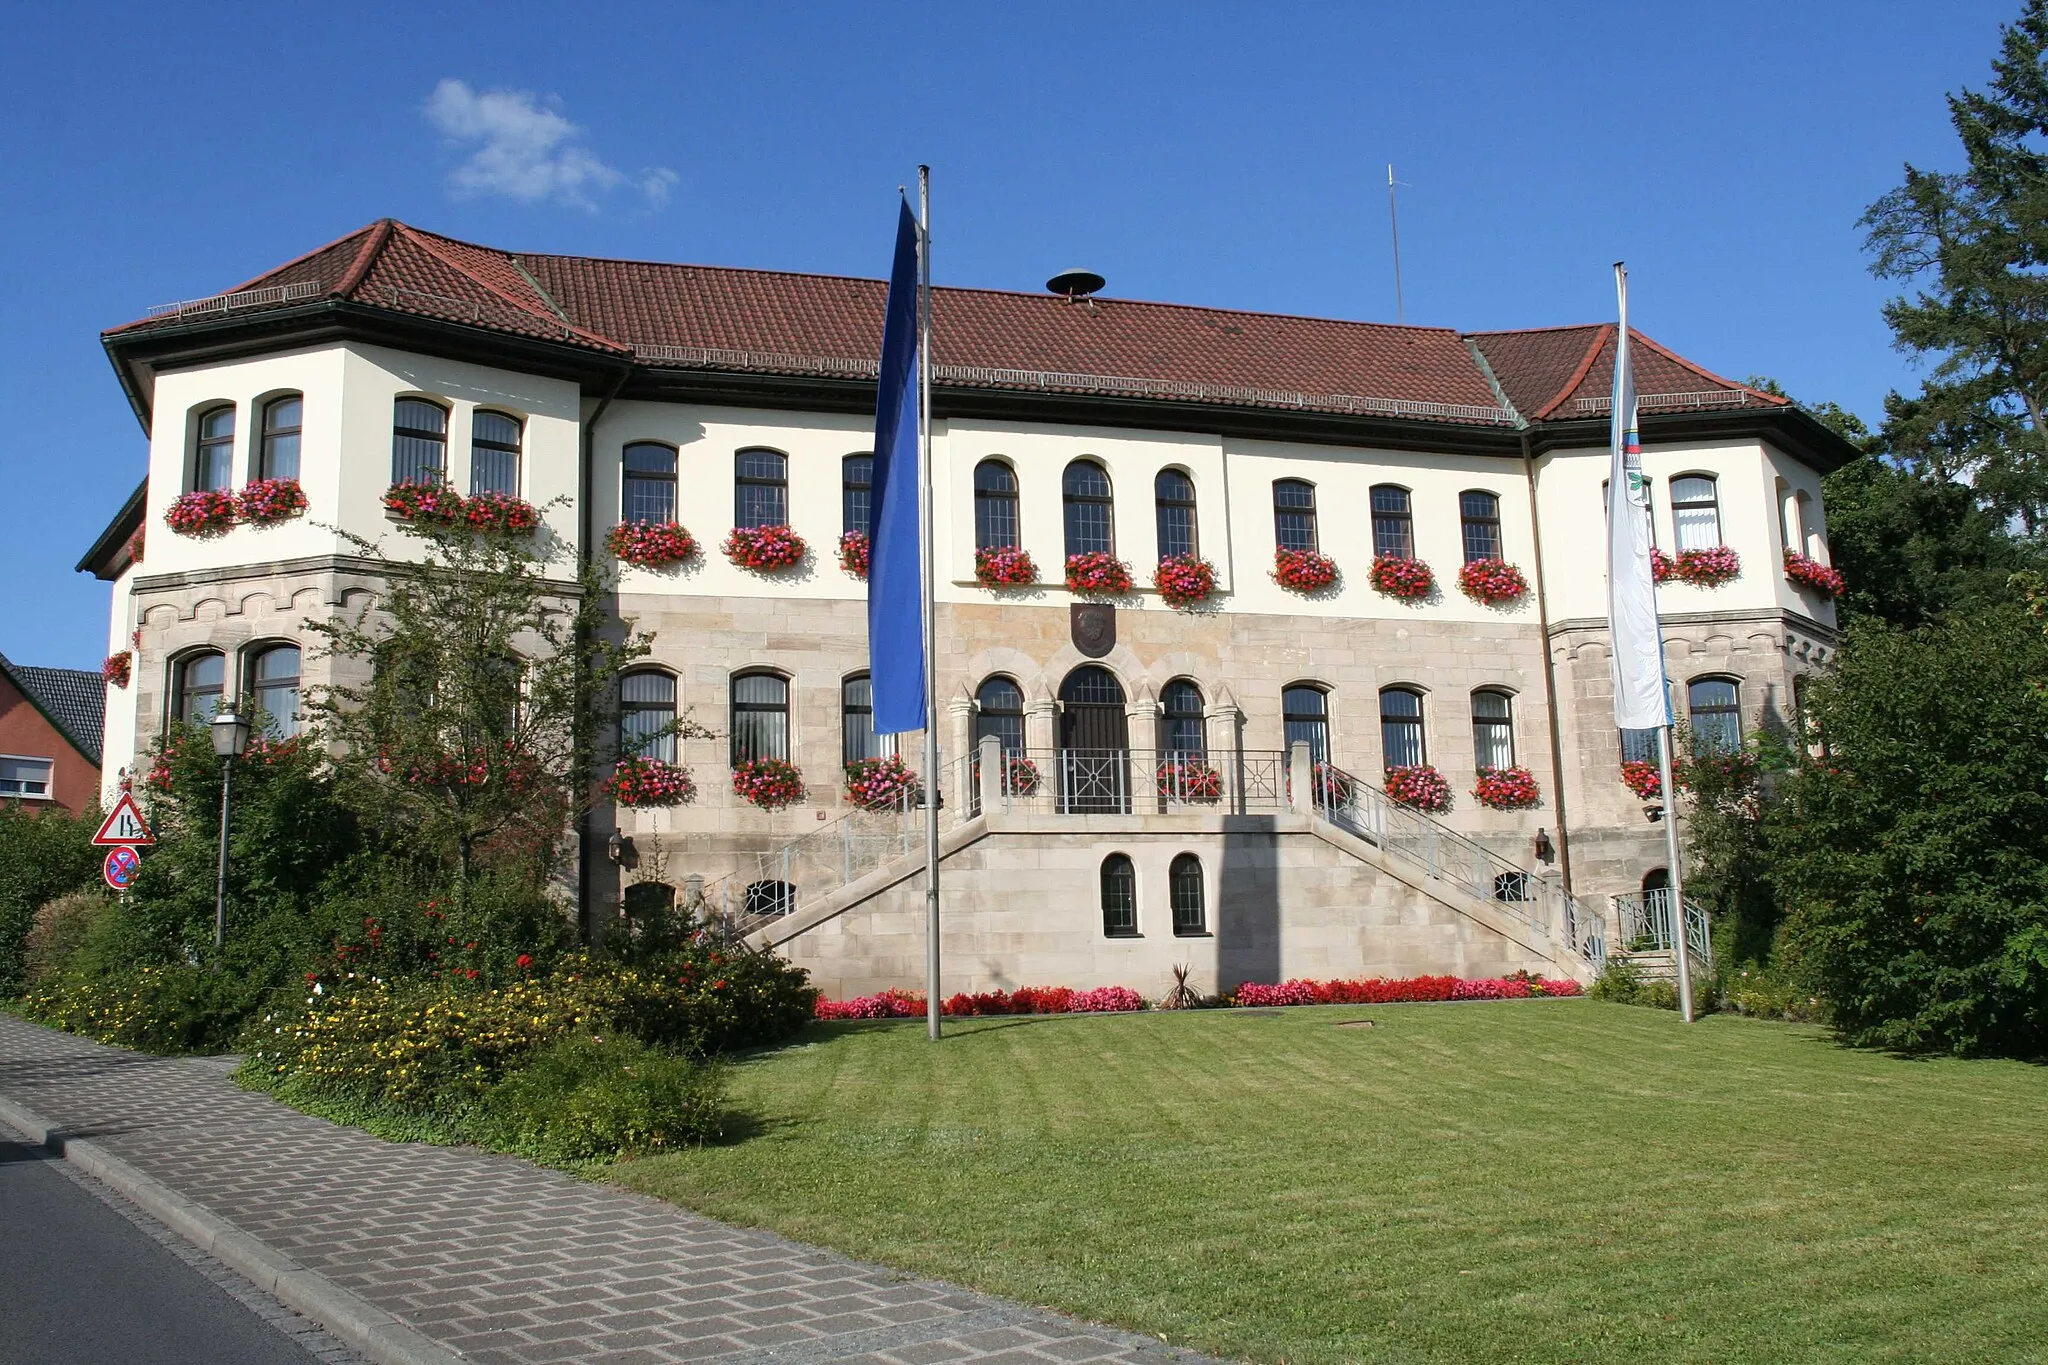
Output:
x,y
1169,819
50,735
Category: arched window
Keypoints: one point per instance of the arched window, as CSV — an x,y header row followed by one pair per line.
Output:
x,y
760,716
276,685
419,441
494,454
1305,717
282,419
647,708
1294,514
649,493
1401,742
1493,729
1090,518
1184,890
999,711
760,488
1479,514
1657,900
995,506
1119,897
213,463
1393,522
1715,706
1181,715
857,493
1695,512
197,686
1173,495
770,898
647,900
857,737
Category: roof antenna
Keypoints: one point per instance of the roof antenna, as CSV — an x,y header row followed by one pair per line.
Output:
x,y
1394,218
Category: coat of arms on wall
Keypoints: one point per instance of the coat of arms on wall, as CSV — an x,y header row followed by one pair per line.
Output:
x,y
1094,628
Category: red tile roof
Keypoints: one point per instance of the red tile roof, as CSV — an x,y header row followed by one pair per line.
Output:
x,y
762,320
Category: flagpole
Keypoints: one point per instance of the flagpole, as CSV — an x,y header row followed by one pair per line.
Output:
x,y
928,562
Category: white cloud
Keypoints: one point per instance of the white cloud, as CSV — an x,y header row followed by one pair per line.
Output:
x,y
526,152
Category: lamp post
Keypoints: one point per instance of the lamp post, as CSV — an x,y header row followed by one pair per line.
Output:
x,y
230,730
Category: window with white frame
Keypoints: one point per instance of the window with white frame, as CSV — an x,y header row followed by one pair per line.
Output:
x,y
1695,512
26,777
213,462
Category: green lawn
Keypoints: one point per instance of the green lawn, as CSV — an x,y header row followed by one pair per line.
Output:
x,y
1545,1180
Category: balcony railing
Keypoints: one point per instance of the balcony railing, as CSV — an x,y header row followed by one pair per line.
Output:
x,y
1140,781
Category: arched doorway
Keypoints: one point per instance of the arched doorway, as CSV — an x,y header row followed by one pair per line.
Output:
x,y
1095,743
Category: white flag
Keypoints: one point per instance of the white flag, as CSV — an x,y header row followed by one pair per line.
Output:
x,y
1637,660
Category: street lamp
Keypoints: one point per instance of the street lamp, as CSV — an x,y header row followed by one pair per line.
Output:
x,y
230,730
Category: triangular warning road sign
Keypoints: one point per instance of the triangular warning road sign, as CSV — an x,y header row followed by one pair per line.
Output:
x,y
124,824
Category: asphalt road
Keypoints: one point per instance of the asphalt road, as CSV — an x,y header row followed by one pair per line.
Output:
x,y
82,1285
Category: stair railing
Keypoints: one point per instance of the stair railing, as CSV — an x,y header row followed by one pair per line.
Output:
x,y
1644,921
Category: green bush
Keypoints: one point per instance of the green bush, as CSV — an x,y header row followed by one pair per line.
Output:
x,y
1621,982
165,1009
588,1096
1765,993
43,854
62,929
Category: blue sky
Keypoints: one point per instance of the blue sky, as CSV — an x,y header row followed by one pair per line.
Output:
x,y
1231,155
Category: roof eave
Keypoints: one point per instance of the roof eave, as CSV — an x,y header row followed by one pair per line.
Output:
x,y
99,560
1797,432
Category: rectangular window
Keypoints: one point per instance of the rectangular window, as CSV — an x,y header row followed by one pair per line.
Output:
x,y
857,491
1480,515
1393,523
1639,746
28,777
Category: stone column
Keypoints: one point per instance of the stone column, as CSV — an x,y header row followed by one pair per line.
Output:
x,y
1041,744
1141,724
954,760
1223,737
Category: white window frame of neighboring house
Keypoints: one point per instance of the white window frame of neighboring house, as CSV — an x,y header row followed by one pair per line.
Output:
x,y
48,793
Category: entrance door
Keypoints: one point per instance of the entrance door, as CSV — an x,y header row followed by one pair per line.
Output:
x,y
1095,743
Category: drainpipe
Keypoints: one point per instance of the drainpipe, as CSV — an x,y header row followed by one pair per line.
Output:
x,y
586,532
1564,838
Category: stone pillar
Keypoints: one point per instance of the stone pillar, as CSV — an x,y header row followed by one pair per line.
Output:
x,y
954,759
992,802
1141,724
1223,737
1041,729
1301,796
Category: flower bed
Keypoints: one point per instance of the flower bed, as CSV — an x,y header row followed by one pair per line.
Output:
x,y
1401,990
770,783
117,668
765,549
1492,582
1419,786
1098,574
206,512
649,782
1813,575
650,544
1506,788
902,1004
424,504
500,512
1408,580
1188,777
1642,777
1005,566
881,783
854,549
265,502
1708,568
1303,570
1184,580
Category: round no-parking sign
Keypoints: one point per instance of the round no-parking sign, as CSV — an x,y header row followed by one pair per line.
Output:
x,y
121,866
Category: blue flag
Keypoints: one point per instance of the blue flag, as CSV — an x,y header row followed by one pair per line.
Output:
x,y
895,579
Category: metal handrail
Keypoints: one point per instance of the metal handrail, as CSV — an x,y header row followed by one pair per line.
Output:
x,y
1644,920
1142,781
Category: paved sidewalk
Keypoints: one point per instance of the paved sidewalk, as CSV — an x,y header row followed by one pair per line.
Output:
x,y
498,1260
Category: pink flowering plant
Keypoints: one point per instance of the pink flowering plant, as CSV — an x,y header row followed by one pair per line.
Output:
x,y
1020,775
1491,582
424,503
1189,777
1303,571
1419,786
203,512
881,783
1097,574
1813,575
854,549
1004,566
500,512
1408,580
1332,783
650,544
1708,568
649,782
1400,990
1506,789
770,783
117,668
265,502
765,549
896,1003
1642,777
1184,580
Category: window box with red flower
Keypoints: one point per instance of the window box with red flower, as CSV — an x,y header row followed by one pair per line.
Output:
x,y
1004,566
1020,776
765,549
1813,575
1190,778
649,782
1184,580
205,512
1506,789
1708,568
881,783
650,544
1642,777
1408,580
1303,570
500,512
266,502
1491,582
1419,786
854,549
1097,574
770,783
423,503
117,668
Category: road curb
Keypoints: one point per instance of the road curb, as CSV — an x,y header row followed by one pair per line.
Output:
x,y
352,1318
